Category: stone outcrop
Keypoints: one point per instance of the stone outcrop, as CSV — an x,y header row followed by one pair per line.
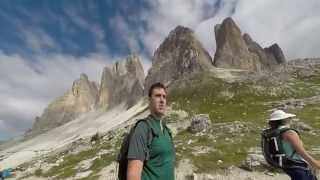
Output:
x,y
179,55
121,83
79,99
275,53
303,68
199,123
255,48
235,51
232,51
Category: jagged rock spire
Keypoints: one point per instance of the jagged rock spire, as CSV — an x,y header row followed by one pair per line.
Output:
x,y
241,52
179,54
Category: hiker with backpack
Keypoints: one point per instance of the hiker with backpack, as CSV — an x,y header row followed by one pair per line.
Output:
x,y
283,148
147,152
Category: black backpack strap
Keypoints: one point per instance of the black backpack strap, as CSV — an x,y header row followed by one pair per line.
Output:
x,y
283,130
151,133
122,159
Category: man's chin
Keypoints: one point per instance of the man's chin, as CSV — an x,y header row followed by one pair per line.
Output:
x,y
160,113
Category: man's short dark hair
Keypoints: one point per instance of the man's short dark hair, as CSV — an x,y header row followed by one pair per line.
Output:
x,y
154,86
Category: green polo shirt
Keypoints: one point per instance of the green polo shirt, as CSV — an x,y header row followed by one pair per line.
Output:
x,y
160,164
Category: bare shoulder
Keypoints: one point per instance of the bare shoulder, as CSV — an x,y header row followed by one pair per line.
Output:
x,y
290,135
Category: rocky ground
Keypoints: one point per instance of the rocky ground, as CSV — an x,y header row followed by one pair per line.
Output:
x,y
90,150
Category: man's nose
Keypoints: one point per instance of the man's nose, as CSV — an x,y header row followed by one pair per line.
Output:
x,y
162,99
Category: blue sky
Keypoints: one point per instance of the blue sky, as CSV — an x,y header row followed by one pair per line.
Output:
x,y
75,28
46,44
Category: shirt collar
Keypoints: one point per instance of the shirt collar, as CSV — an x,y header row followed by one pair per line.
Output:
x,y
155,117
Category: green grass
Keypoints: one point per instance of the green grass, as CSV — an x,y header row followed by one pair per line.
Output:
x,y
247,102
206,96
311,114
38,172
68,167
230,148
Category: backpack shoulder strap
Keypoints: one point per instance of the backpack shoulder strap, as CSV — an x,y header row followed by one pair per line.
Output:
x,y
283,130
150,134
151,131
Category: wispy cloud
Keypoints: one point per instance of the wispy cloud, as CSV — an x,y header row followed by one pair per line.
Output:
x,y
127,35
164,16
27,87
94,28
293,24
29,83
38,40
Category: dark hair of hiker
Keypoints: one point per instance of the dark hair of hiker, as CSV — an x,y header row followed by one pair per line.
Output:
x,y
155,86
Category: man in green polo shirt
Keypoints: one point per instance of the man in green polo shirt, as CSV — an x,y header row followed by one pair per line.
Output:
x,y
155,162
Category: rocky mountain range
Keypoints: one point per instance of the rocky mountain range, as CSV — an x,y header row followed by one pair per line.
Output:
x,y
179,55
217,108
79,99
120,83
238,51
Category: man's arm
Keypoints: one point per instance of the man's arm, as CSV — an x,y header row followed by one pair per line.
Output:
x,y
137,151
294,139
134,170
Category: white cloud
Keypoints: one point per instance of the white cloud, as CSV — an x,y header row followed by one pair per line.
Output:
x,y
38,40
126,34
293,24
165,15
94,28
162,17
27,88
146,63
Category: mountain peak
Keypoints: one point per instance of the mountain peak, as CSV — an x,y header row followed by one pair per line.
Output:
x,y
79,99
242,52
122,83
179,55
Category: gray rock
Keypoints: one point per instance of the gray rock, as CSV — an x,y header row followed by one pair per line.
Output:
x,y
241,52
269,57
105,88
255,48
178,56
122,83
79,99
232,51
254,159
275,53
199,123
235,128
303,67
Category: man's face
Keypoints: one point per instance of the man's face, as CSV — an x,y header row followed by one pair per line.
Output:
x,y
158,101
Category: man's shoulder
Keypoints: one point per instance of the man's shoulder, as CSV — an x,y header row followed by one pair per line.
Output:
x,y
142,125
